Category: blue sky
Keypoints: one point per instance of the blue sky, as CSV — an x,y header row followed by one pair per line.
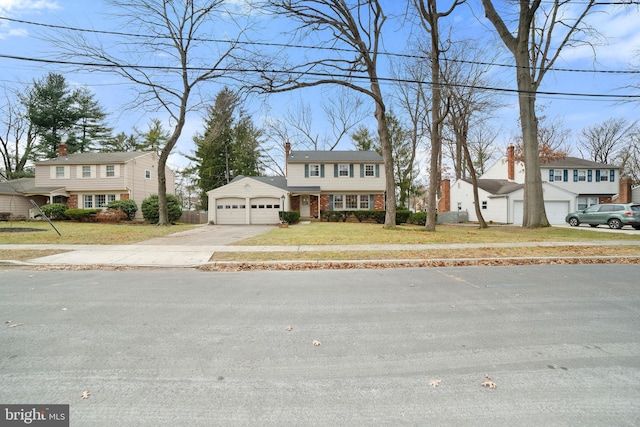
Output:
x,y
622,48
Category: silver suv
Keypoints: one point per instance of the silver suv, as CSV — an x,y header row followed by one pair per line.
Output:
x,y
615,215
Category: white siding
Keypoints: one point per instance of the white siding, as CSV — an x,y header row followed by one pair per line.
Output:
x,y
584,187
635,195
247,190
499,170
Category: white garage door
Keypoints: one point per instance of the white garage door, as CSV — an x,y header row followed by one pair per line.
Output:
x,y
231,211
556,212
265,210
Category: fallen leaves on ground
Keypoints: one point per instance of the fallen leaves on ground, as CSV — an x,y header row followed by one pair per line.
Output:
x,y
85,394
489,384
316,343
289,328
434,383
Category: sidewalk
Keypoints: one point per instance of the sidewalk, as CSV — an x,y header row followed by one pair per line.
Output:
x,y
183,256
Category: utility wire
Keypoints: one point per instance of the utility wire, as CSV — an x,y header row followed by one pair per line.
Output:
x,y
308,47
314,74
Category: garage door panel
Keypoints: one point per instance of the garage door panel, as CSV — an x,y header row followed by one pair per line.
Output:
x,y
556,212
265,210
231,211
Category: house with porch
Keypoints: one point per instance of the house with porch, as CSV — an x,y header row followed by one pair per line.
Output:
x,y
315,181
569,184
85,181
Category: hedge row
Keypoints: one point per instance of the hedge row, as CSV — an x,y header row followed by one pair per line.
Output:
x,y
402,216
60,211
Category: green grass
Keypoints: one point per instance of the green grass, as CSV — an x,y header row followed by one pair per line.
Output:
x,y
85,233
330,233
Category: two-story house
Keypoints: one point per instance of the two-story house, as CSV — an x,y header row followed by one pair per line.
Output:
x,y
87,181
568,184
315,181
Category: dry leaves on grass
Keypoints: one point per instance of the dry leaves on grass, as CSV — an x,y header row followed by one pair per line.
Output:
x,y
316,343
289,328
434,383
489,384
85,394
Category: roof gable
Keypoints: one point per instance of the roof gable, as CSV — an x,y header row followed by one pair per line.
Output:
x,y
497,186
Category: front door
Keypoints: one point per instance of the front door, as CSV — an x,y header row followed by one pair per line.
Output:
x,y
305,211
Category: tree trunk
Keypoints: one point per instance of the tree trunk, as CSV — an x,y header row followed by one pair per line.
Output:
x,y
534,214
474,180
387,156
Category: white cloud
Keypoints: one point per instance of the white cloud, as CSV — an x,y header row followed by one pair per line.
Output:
x,y
16,6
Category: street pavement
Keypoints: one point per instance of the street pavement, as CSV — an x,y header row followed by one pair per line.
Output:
x,y
195,247
394,347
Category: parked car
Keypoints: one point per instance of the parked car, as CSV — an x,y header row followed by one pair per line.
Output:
x,y
615,215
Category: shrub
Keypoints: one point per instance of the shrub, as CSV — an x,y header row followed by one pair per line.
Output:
x,y
291,217
111,215
402,216
151,211
80,214
129,207
418,218
54,210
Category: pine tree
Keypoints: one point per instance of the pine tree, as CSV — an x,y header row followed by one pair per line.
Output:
x,y
90,127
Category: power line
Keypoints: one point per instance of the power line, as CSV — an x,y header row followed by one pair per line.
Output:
x,y
314,74
300,46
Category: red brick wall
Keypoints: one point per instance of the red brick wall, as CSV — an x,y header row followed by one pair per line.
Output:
x,y
295,203
124,196
73,201
624,196
324,202
313,205
444,204
378,202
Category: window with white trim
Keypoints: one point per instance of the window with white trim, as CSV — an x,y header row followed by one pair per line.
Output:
x,y
111,171
343,170
484,204
364,201
86,171
351,201
604,175
59,171
585,202
88,201
369,170
101,200
314,170
582,175
147,174
338,202
111,198
557,175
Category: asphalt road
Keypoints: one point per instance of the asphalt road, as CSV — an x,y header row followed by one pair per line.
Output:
x,y
189,348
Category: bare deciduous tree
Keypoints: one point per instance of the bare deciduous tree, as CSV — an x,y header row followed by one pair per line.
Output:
x,y
356,27
430,21
540,32
17,136
173,33
604,141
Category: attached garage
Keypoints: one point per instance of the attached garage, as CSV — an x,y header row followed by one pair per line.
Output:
x,y
556,211
231,211
248,200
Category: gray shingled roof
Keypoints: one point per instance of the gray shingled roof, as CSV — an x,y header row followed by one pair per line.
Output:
x,y
25,186
497,186
94,158
335,156
276,181
575,162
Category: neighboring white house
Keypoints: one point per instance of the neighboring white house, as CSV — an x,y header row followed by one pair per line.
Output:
x,y
568,184
86,181
315,181
635,194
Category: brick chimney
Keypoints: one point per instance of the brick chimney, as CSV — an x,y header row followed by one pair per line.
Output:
x,y
624,195
511,163
444,204
287,151
62,149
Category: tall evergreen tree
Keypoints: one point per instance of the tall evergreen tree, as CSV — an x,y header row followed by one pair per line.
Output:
x,y
90,127
122,142
52,109
154,138
229,146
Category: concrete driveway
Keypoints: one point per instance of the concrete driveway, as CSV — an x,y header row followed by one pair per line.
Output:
x,y
602,229
210,235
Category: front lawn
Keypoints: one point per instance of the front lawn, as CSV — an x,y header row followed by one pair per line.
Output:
x,y
338,233
83,233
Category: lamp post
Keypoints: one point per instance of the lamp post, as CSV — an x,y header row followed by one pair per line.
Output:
x,y
282,198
